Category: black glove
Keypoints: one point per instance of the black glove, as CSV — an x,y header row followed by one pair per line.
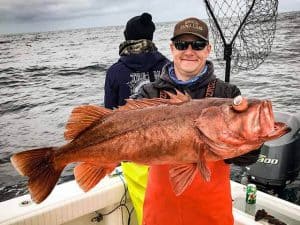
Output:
x,y
246,159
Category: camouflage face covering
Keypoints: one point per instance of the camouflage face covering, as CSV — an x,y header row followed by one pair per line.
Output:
x,y
136,47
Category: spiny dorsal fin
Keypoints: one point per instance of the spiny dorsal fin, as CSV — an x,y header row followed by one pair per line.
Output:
x,y
143,103
82,117
179,97
175,99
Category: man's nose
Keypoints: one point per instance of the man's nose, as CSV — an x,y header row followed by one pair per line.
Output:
x,y
189,49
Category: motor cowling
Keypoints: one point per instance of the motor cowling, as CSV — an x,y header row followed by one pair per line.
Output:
x,y
279,160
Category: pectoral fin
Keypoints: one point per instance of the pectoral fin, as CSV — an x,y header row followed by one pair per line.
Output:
x,y
181,176
204,171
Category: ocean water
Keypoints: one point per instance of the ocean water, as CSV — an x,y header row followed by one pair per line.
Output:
x,y
43,76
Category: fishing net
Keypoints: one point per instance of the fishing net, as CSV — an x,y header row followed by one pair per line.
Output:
x,y
242,30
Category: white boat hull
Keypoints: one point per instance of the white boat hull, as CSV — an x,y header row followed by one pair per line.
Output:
x,y
68,204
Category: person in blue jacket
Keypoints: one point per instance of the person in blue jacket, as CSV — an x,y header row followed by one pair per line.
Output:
x,y
140,62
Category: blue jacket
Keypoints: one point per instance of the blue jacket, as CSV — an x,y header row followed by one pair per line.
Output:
x,y
126,76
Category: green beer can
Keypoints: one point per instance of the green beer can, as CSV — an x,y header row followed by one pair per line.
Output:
x,y
251,194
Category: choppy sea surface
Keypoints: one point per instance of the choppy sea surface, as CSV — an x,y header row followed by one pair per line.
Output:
x,y
43,76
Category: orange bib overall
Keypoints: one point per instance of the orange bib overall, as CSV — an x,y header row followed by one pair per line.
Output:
x,y
202,203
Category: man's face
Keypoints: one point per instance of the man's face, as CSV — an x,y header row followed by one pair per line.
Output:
x,y
189,63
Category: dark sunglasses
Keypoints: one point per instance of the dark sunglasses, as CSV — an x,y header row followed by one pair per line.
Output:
x,y
196,45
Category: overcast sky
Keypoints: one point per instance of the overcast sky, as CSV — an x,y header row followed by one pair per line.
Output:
x,y
17,16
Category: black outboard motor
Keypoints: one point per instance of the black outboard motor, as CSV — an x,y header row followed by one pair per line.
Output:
x,y
279,160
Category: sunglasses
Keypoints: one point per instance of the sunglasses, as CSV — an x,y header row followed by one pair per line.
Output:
x,y
196,45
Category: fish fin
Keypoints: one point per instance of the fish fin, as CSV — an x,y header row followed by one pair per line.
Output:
x,y
202,166
143,103
82,117
175,99
204,171
179,97
38,165
181,176
88,175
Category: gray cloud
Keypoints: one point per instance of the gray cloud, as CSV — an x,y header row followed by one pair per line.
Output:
x,y
32,10
46,14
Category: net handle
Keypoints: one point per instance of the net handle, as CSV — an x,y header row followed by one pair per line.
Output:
x,y
228,46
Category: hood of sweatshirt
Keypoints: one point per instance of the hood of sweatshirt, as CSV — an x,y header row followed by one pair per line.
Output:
x,y
142,62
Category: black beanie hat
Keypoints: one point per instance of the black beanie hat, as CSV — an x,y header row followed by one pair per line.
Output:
x,y
140,27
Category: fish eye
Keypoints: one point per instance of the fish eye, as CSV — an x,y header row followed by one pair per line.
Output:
x,y
237,100
240,103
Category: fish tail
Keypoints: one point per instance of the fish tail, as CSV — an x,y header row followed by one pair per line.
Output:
x,y
88,175
38,165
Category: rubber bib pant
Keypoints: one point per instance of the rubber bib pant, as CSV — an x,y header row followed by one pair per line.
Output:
x,y
202,203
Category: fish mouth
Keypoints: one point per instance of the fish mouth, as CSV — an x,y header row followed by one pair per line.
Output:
x,y
265,119
279,130
270,127
267,112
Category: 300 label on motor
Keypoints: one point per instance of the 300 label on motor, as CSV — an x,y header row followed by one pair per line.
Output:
x,y
264,159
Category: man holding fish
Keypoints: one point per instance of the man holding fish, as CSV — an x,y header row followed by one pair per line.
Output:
x,y
184,138
203,202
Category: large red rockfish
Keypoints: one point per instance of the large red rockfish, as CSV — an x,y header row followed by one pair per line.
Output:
x,y
180,132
